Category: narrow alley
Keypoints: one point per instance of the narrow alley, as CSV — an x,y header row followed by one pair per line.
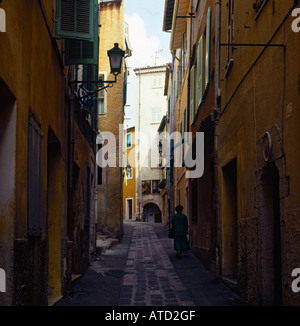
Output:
x,y
142,270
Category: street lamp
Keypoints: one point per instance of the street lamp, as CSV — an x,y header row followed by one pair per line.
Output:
x,y
116,56
115,59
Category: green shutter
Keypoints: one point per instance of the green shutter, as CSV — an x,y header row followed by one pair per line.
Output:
x,y
177,82
186,45
184,121
181,66
79,51
75,19
192,94
199,73
183,54
207,59
90,75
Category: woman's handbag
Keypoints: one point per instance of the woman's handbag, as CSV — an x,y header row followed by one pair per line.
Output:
x,y
171,233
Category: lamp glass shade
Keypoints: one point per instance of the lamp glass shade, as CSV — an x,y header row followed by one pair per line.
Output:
x,y
115,58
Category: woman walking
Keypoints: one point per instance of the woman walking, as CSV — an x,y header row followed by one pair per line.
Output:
x,y
179,224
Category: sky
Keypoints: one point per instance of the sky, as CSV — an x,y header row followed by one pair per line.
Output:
x,y
149,43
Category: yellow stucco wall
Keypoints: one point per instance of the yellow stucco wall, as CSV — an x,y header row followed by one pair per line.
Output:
x,y
31,69
129,185
110,202
32,72
259,94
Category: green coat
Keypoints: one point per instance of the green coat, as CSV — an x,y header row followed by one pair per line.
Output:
x,y
180,225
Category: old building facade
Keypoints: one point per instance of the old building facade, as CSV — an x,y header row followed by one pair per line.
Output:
x,y
150,108
47,152
192,107
111,117
237,70
257,162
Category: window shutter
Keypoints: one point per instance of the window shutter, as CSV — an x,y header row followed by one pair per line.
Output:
x,y
207,60
199,72
181,66
81,52
186,45
178,83
75,19
34,186
125,87
184,121
192,94
91,106
101,106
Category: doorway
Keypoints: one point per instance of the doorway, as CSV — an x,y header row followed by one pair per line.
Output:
x,y
129,208
271,237
151,213
54,205
8,123
229,223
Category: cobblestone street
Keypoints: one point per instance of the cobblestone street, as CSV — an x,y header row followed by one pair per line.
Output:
x,y
142,270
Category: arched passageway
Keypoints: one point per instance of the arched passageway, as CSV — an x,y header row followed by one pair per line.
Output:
x,y
151,213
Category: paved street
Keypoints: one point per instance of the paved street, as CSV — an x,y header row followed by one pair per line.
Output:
x,y
142,270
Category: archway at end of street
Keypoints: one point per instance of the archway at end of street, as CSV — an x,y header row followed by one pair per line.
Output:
x,y
151,213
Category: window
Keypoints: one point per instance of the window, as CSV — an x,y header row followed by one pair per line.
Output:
x,y
184,51
155,189
129,172
230,36
200,72
192,94
186,46
90,74
181,67
99,167
34,194
129,140
77,22
102,97
207,59
146,187
156,115
101,109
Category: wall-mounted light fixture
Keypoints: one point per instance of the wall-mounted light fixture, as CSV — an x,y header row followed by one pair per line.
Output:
x,y
116,56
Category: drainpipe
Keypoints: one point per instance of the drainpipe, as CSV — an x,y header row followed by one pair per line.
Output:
x,y
138,179
217,113
169,147
71,142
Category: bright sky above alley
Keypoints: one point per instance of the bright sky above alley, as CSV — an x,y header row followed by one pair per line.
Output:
x,y
149,43
145,19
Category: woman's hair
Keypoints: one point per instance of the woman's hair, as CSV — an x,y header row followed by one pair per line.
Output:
x,y
179,209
